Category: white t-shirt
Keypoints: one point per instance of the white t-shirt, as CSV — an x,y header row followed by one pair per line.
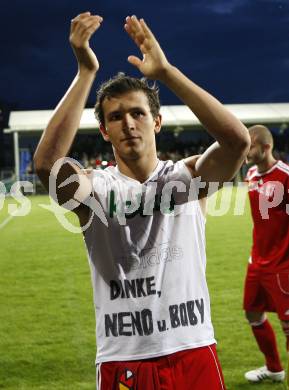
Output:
x,y
148,265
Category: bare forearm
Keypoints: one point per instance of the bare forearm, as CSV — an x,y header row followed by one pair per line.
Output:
x,y
60,132
218,121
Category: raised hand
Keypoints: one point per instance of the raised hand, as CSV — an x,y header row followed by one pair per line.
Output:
x,y
82,28
154,62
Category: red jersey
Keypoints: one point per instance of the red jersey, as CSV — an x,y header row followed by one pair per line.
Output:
x,y
269,199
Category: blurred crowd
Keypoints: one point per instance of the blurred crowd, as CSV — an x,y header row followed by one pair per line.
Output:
x,y
101,160
93,152
170,146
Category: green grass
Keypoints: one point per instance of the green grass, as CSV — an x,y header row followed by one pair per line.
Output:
x,y
47,338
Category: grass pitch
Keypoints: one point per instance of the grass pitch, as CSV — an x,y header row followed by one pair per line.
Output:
x,y
47,338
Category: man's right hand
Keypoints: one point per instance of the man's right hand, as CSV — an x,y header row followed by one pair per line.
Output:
x,y
82,28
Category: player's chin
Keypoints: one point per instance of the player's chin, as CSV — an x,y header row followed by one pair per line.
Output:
x,y
134,148
131,153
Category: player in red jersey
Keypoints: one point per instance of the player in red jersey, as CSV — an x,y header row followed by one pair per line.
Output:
x,y
267,280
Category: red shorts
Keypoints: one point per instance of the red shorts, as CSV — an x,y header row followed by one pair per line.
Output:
x,y
193,369
267,292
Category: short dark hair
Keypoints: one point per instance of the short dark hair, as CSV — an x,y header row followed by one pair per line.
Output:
x,y
121,84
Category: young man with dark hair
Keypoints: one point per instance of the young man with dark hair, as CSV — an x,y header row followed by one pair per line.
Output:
x,y
147,253
267,280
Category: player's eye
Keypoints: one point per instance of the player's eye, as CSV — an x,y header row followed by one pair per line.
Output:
x,y
137,114
115,117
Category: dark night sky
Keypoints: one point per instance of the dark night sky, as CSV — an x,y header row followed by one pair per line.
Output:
x,y
237,49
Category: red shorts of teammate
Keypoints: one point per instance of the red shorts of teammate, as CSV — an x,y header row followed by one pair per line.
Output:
x,y
267,292
193,369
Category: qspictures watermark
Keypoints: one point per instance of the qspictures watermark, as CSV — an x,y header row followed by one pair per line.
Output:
x,y
123,202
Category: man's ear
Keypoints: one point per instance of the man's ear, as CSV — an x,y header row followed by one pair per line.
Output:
x,y
104,133
158,123
267,147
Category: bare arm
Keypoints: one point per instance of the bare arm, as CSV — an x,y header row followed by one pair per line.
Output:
x,y
61,130
223,159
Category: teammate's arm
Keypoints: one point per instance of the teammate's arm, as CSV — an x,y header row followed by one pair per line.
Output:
x,y
221,160
61,130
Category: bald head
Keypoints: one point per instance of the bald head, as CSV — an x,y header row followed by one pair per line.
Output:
x,y
261,135
261,150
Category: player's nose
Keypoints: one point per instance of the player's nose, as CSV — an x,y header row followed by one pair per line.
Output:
x,y
128,122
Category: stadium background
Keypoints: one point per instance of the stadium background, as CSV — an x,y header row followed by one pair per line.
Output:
x,y
236,49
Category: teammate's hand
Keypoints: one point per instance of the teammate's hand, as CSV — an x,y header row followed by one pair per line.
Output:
x,y
82,28
154,62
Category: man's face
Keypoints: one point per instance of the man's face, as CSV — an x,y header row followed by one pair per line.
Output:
x,y
257,151
129,125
